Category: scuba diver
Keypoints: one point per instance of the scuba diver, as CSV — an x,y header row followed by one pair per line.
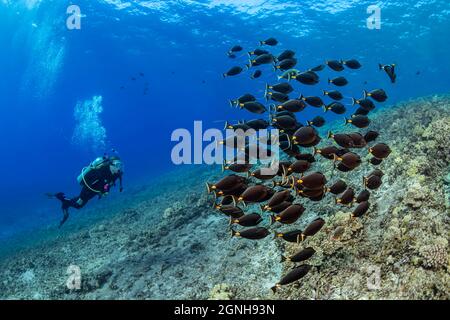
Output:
x,y
95,180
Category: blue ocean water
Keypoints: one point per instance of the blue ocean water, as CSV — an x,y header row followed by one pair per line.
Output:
x,y
67,96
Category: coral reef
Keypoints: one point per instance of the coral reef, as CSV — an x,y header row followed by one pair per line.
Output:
x,y
166,243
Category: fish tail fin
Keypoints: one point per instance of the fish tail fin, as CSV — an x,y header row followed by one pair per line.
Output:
x,y
329,80
249,54
266,91
261,43
365,94
275,235
283,259
223,166
248,174
329,134
232,103
353,101
233,233
208,187
224,75
324,92
380,66
347,121
315,151
325,109
231,221
262,207
275,67
226,125
274,289
272,219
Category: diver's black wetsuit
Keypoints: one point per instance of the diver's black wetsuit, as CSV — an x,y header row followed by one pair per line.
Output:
x,y
99,182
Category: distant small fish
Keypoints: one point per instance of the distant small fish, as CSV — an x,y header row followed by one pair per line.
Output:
x,y
286,64
285,122
256,233
342,139
375,161
352,64
327,152
225,183
248,220
380,151
335,95
294,275
141,74
291,236
312,229
338,187
364,103
339,81
350,160
289,74
358,121
312,101
289,215
317,121
390,71
372,182
371,136
293,105
230,210
335,65
235,49
269,42
258,124
336,107
258,52
378,95
363,196
236,167
284,87
314,180
347,197
276,96
256,74
242,99
318,68
256,193
308,78
361,111
259,60
253,107
361,209
358,140
300,256
287,54
233,72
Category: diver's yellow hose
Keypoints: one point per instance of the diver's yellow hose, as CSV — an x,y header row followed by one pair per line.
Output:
x,y
85,183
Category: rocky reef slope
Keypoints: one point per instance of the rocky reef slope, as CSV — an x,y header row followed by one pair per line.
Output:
x,y
170,244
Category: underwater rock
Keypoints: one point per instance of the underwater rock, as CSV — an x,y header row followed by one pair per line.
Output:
x,y
434,256
221,291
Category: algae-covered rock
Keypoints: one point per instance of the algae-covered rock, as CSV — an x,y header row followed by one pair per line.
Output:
x,y
221,291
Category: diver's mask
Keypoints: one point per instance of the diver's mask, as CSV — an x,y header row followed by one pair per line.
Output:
x,y
116,167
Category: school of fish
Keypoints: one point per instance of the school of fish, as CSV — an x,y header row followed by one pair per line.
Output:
x,y
279,196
